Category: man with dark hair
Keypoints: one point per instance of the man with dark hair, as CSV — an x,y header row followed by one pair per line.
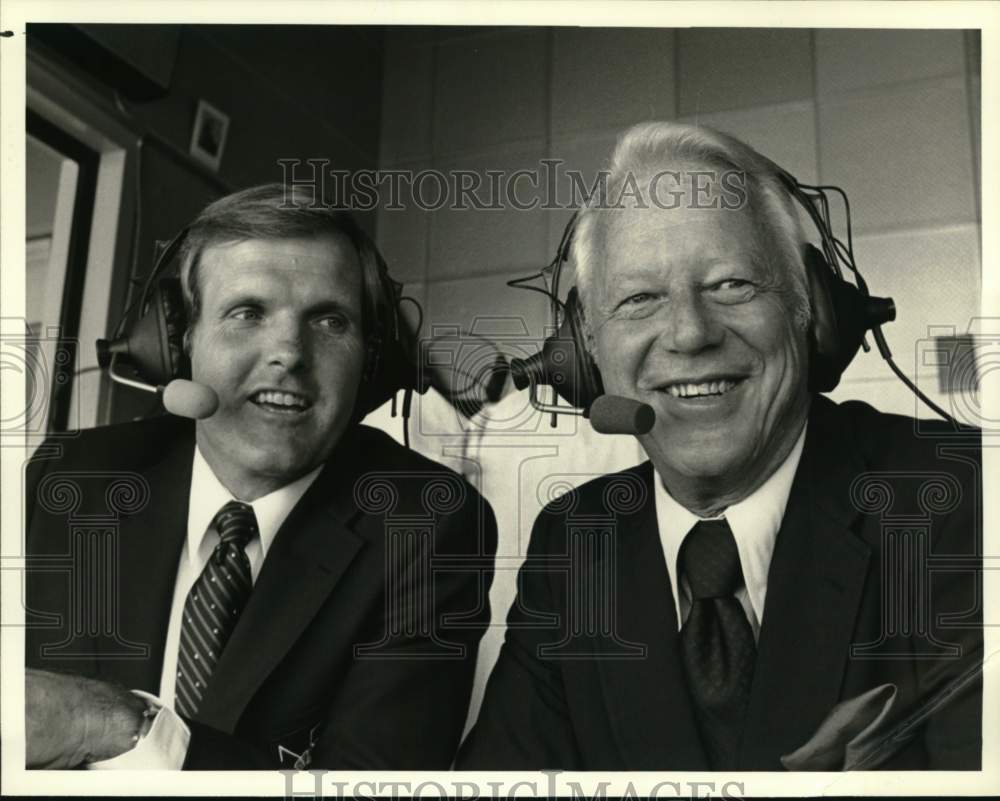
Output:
x,y
786,583
273,591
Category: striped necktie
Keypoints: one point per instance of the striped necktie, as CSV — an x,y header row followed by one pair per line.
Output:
x,y
214,605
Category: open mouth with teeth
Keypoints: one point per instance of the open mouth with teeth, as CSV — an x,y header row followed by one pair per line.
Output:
x,y
706,389
281,402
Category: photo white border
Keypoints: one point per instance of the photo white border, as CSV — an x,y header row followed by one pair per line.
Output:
x,y
14,14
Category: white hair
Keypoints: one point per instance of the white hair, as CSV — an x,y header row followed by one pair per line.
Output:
x,y
650,148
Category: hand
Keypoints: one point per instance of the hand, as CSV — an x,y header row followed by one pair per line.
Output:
x,y
70,720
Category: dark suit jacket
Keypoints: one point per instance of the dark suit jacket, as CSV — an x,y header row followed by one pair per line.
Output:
x,y
589,677
359,640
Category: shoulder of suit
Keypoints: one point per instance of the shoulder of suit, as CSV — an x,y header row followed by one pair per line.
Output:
x,y
379,454
625,490
377,451
129,445
897,441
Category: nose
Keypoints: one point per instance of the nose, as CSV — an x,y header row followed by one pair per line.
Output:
x,y
690,325
287,344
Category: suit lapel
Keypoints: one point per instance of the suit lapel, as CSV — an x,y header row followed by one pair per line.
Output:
x,y
310,553
814,588
646,697
150,543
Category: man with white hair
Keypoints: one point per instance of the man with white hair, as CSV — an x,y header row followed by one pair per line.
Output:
x,y
739,601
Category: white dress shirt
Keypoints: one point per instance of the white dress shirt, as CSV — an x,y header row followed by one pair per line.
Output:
x,y
754,522
165,745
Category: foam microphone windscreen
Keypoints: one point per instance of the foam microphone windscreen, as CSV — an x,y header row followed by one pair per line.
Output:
x,y
613,414
190,399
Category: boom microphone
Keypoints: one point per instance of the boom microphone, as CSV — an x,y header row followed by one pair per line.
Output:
x,y
613,414
190,399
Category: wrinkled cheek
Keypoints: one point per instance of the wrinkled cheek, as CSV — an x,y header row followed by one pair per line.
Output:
x,y
796,359
788,365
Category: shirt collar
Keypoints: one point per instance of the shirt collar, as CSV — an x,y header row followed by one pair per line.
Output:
x,y
208,496
754,521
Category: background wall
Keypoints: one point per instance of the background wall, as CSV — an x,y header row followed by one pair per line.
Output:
x,y
890,116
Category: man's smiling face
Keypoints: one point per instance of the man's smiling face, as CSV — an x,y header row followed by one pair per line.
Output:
x,y
279,339
686,318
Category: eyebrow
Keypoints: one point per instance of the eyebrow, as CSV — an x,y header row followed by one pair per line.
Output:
x,y
330,306
646,272
641,272
254,299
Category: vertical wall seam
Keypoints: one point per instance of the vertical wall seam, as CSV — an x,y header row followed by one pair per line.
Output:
x,y
432,164
817,139
677,73
970,68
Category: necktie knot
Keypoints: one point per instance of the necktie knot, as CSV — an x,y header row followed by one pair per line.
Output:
x,y
236,524
710,560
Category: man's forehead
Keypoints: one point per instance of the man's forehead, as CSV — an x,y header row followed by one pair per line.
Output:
x,y
653,243
244,264
664,226
329,246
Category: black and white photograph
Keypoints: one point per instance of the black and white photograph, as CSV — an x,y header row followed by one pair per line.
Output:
x,y
484,401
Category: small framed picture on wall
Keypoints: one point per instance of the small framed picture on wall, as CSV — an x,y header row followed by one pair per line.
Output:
x,y
208,137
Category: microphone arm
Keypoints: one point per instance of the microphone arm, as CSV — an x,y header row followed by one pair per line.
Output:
x,y
179,396
531,373
112,362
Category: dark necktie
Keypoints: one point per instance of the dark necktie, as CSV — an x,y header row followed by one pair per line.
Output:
x,y
214,605
717,644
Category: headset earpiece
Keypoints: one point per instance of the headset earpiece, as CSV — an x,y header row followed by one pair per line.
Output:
x,y
389,363
564,362
154,346
170,301
841,314
584,383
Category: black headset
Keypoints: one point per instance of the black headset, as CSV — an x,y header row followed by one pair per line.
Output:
x,y
842,314
154,351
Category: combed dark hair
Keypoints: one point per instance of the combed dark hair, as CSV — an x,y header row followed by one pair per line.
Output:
x,y
276,211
